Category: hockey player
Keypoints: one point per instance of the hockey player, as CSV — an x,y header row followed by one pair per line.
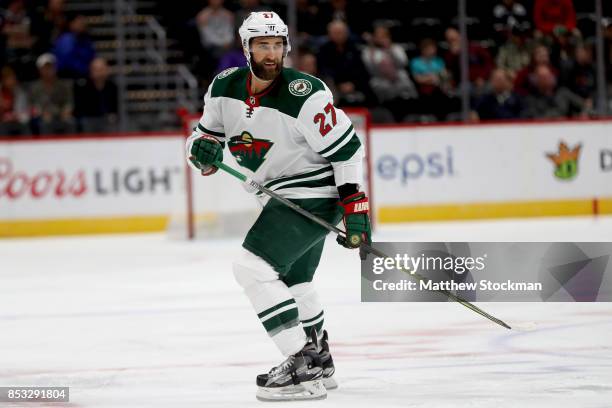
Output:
x,y
284,132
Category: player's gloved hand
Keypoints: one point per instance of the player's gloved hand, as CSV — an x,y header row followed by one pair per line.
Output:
x,y
205,151
356,220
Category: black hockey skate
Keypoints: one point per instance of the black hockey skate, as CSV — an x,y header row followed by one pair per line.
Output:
x,y
299,377
327,362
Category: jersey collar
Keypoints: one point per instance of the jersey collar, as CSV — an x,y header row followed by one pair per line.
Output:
x,y
253,99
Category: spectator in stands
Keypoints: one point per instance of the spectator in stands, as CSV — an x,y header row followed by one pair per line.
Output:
x,y
387,62
216,27
340,64
51,99
523,84
431,77
95,100
338,10
562,44
308,23
578,74
515,53
14,110
428,69
508,16
307,62
548,101
479,59
501,102
551,14
74,49
48,22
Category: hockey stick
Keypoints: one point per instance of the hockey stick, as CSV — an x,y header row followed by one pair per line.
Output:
x,y
363,246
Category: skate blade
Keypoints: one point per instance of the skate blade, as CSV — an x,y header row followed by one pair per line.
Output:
x,y
308,390
329,383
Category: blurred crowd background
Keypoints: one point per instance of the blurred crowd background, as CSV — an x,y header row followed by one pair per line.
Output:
x,y
99,66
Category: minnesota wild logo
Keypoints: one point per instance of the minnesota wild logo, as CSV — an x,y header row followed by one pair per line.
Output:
x,y
248,151
566,161
300,87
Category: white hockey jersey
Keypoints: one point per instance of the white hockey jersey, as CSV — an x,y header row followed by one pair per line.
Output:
x,y
290,137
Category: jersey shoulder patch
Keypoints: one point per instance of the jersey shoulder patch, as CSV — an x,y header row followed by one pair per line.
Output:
x,y
300,87
300,84
230,82
226,72
294,89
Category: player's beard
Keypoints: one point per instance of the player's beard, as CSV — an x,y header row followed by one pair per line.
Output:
x,y
266,73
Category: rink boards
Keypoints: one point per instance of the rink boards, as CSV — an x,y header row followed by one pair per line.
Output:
x,y
492,171
123,183
71,185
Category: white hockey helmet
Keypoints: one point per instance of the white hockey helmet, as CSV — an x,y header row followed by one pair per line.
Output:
x,y
263,24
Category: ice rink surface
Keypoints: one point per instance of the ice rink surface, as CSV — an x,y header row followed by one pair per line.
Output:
x,y
141,321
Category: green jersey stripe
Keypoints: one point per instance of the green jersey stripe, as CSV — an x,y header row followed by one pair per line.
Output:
x,y
319,321
277,312
313,319
324,182
284,326
276,307
313,178
318,327
210,132
347,151
337,142
288,318
299,176
300,193
275,182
